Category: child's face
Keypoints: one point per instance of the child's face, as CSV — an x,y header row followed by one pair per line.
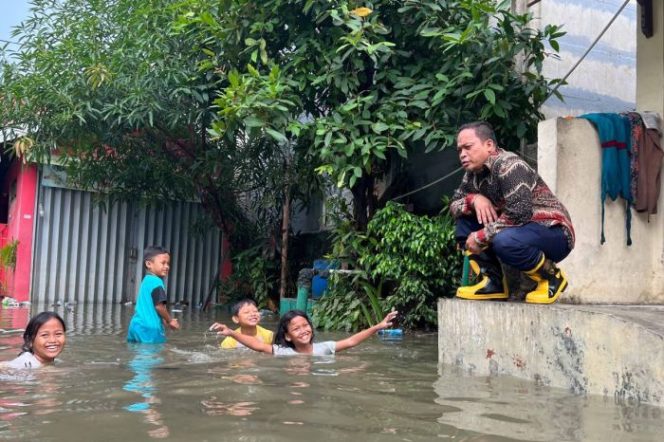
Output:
x,y
299,331
248,316
49,341
159,265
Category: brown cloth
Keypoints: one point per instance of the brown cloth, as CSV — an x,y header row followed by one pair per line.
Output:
x,y
650,159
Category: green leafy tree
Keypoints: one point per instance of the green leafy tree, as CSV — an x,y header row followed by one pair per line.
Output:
x,y
168,98
237,102
378,80
118,93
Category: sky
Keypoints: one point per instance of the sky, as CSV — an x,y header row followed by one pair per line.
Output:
x,y
13,12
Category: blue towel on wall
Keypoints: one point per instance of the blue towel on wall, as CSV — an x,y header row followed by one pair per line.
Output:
x,y
614,135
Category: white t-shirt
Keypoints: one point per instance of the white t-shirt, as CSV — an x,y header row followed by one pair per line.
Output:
x,y
24,360
320,349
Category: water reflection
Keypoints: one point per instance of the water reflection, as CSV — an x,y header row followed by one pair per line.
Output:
x,y
213,407
190,390
503,408
13,320
146,358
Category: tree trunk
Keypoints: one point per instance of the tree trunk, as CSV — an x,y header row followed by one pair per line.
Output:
x,y
364,202
285,222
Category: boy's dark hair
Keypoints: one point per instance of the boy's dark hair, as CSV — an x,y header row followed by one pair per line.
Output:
x,y
482,129
152,251
241,303
33,327
282,328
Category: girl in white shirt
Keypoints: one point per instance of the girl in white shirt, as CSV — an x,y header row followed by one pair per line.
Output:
x,y
295,335
43,340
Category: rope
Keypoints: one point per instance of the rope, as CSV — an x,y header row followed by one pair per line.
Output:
x,y
428,185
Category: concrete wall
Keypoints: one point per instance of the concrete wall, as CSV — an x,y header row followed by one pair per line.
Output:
x,y
569,159
611,351
650,65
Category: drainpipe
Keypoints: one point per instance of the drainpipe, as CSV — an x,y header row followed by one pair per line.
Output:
x,y
303,288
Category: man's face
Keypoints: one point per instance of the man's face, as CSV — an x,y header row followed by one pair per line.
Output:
x,y
472,151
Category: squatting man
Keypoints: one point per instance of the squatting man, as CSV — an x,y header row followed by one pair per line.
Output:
x,y
506,213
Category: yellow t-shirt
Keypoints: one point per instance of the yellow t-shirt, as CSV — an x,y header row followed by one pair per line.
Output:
x,y
262,334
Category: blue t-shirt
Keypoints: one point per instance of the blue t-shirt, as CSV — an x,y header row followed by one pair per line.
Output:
x,y
146,325
320,349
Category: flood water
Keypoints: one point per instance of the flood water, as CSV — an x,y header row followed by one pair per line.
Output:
x,y
104,389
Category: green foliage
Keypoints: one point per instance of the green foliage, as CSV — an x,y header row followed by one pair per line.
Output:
x,y
350,304
234,101
254,276
356,89
8,254
406,263
143,107
417,257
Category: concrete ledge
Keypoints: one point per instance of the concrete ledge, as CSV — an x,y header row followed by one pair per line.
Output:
x,y
608,350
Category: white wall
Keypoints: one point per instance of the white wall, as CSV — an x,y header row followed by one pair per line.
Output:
x,y
569,160
605,81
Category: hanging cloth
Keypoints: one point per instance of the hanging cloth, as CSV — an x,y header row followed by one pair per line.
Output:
x,y
614,136
651,158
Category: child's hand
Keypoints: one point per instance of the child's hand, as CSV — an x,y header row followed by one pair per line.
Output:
x,y
174,324
221,329
387,322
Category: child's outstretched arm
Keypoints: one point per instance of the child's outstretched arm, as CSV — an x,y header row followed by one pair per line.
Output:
x,y
248,341
364,334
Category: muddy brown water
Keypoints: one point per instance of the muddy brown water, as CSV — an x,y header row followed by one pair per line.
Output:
x,y
188,390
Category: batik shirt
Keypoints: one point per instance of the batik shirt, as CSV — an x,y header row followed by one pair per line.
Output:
x,y
517,191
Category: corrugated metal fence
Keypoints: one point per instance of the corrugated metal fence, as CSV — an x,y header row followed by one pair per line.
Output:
x,y
86,253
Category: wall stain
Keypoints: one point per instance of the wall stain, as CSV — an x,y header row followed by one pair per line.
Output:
x,y
568,357
519,362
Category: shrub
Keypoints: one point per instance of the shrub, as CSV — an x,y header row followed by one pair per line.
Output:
x,y
405,262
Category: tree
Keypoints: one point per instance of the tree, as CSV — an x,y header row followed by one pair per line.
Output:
x,y
118,93
238,102
378,82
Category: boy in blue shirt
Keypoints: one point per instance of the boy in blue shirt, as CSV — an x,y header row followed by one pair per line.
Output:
x,y
151,313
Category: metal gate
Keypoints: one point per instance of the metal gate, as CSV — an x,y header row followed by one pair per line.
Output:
x,y
87,253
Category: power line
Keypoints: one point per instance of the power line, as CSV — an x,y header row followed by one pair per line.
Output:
x,y
454,172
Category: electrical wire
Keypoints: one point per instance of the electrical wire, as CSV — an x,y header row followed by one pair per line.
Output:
x,y
428,185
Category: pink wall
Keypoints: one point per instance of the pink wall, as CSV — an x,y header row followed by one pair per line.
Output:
x,y
20,222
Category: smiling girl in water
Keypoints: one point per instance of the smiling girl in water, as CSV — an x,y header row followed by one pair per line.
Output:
x,y
295,335
43,340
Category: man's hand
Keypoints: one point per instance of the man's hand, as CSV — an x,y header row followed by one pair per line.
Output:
x,y
174,324
484,209
472,246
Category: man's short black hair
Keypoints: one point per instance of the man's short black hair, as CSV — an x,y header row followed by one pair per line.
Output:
x,y
482,129
151,251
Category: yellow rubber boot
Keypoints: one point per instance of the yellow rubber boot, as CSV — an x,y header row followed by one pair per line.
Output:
x,y
551,282
491,285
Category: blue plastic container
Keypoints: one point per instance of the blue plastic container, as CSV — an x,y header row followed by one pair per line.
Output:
x,y
390,334
318,283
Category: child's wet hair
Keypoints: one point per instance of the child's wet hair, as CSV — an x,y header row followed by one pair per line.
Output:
x,y
151,251
33,327
235,310
282,328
